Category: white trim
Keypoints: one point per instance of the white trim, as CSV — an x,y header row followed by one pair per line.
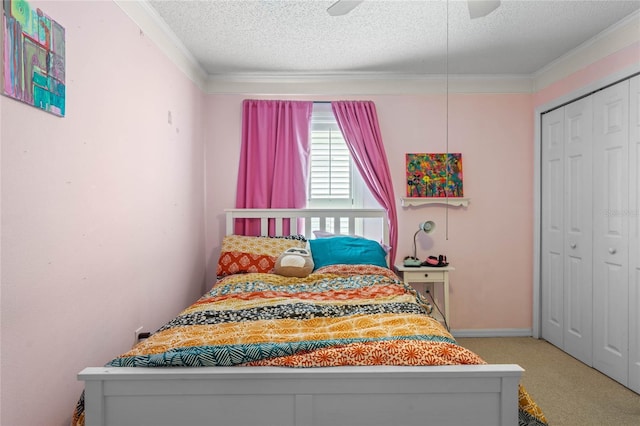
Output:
x,y
365,84
493,332
615,38
537,220
496,83
611,40
590,88
156,29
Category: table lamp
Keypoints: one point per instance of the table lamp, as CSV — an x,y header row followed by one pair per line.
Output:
x,y
427,227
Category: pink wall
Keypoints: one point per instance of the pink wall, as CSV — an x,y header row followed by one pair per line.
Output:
x,y
619,60
102,212
490,242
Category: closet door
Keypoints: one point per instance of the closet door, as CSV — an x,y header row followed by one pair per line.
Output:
x,y
611,214
578,234
634,234
552,245
567,229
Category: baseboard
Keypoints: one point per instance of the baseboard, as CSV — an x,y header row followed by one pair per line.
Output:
x,y
493,332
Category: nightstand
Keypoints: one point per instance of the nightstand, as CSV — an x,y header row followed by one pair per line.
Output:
x,y
426,277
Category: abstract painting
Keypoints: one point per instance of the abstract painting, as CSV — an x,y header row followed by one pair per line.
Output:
x,y
33,69
434,175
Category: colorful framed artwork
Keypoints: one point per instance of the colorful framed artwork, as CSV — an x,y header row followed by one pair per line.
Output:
x,y
434,175
33,68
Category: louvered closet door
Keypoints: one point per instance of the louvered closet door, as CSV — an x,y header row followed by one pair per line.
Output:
x,y
611,225
578,230
634,234
552,246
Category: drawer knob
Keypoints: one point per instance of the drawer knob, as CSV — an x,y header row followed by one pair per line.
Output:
x,y
612,250
426,275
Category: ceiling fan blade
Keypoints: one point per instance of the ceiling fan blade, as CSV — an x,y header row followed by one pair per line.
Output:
x,y
481,8
342,7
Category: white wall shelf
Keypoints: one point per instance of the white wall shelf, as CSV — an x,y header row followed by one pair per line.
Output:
x,y
420,201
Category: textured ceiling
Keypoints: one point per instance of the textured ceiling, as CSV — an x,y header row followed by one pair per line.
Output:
x,y
404,37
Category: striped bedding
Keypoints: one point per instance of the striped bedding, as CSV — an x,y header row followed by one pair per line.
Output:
x,y
339,315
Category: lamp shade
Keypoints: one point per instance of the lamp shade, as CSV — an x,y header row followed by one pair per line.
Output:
x,y
428,226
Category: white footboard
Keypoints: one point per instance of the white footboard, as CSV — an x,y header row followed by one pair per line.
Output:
x,y
274,396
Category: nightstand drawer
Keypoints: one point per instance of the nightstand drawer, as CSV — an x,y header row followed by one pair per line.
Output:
x,y
423,276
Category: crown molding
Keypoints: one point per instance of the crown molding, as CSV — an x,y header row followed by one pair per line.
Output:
x,y
366,84
613,39
156,29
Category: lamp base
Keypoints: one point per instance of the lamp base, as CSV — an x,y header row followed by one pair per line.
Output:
x,y
412,262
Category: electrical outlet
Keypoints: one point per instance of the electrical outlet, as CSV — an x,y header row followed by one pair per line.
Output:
x,y
136,332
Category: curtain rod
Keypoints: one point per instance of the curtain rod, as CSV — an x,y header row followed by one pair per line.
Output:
x,y
321,102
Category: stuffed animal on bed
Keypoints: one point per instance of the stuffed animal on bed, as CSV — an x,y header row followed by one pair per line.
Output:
x,y
294,262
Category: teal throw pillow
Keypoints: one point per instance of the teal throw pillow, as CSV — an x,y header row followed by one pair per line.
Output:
x,y
347,250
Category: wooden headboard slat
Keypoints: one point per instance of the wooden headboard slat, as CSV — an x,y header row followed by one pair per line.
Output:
x,y
279,215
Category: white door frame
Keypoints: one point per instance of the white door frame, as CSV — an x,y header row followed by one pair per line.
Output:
x,y
537,146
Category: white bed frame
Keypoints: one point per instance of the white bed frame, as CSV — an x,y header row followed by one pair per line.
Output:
x,y
278,396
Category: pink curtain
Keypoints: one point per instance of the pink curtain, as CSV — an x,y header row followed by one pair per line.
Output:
x,y
358,122
274,157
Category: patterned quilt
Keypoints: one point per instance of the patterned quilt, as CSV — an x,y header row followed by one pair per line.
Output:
x,y
339,315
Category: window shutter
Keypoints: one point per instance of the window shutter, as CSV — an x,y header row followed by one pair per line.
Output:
x,y
333,180
331,174
330,166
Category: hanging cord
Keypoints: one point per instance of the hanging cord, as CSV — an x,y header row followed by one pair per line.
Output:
x,y
446,192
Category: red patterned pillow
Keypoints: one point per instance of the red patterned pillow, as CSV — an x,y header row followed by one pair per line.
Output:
x,y
243,254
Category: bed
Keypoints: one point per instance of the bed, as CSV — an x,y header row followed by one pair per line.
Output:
x,y
348,345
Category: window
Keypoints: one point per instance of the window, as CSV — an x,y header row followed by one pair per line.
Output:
x,y
334,181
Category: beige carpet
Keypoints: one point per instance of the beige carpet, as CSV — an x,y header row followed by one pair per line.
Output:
x,y
568,392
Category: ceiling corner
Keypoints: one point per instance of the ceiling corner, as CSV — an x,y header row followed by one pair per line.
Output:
x,y
159,32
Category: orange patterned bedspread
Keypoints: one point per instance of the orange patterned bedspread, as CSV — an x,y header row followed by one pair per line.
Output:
x,y
339,315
